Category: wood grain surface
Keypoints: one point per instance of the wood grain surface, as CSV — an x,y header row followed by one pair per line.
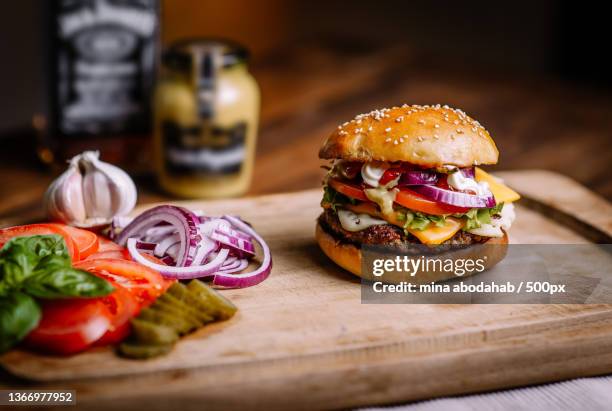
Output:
x,y
303,340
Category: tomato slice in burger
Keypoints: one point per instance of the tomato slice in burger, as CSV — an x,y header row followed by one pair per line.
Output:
x,y
70,326
417,202
143,283
349,190
86,241
40,229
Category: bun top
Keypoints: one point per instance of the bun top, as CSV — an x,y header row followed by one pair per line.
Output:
x,y
428,136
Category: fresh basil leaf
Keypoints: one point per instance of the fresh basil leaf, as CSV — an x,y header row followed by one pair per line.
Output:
x,y
21,256
19,314
60,282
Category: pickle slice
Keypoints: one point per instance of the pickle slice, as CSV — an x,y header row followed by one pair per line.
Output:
x,y
180,325
202,316
150,333
177,312
180,292
217,305
141,351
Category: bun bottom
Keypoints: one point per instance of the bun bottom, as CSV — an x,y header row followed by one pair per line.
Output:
x,y
349,257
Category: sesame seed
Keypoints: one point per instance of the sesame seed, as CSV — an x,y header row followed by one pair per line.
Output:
x,y
445,106
388,129
346,123
436,137
420,138
437,126
370,128
388,139
395,142
339,127
399,119
421,121
401,139
358,121
456,122
358,130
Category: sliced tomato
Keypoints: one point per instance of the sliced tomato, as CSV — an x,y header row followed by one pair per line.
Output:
x,y
70,326
40,229
405,197
86,241
143,283
122,306
122,254
349,190
417,202
106,245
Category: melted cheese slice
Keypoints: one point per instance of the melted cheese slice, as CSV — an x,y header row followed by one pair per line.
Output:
x,y
438,235
431,235
501,192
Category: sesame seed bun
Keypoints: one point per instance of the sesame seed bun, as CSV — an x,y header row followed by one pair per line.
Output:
x,y
349,257
428,136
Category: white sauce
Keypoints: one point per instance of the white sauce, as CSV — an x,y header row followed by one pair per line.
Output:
x,y
372,172
494,229
462,183
383,197
356,222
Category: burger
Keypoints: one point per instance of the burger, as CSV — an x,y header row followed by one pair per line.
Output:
x,y
409,178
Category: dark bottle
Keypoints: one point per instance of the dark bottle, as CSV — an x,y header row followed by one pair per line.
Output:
x,y
102,57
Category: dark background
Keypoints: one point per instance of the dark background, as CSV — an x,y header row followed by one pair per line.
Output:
x,y
565,40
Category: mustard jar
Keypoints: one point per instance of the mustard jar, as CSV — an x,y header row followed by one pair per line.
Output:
x,y
206,110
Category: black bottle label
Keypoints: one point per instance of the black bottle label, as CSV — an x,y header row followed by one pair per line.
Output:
x,y
204,150
104,60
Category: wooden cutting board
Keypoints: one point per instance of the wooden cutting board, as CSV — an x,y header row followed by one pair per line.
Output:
x,y
302,339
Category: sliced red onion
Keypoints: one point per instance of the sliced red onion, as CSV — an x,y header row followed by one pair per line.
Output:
x,y
409,178
229,237
205,249
196,246
181,273
186,224
163,246
455,198
173,250
237,267
156,234
468,172
145,246
168,260
250,278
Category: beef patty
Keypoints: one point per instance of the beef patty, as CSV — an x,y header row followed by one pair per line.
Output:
x,y
387,234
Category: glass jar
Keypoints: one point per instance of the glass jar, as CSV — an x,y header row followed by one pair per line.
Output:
x,y
206,110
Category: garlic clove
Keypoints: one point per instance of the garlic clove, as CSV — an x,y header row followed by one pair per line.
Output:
x,y
64,197
90,192
96,194
121,187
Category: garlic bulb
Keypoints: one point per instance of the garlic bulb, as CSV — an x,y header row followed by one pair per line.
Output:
x,y
90,192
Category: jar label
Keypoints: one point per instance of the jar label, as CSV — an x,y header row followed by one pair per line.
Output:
x,y
204,150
